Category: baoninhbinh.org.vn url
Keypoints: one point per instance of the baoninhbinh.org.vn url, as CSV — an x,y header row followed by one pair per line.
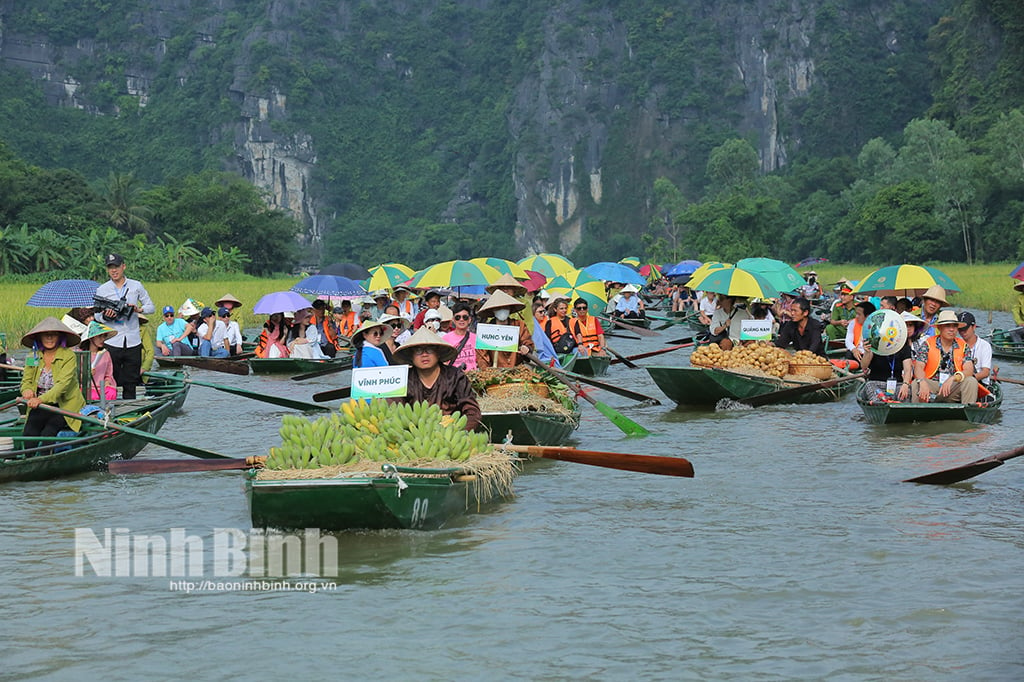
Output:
x,y
190,586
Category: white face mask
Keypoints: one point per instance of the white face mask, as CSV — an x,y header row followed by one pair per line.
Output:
x,y
434,324
501,314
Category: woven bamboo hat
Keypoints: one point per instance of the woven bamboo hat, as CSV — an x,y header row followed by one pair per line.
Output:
x,y
936,293
911,318
227,298
97,329
424,338
499,299
366,326
50,324
946,316
506,281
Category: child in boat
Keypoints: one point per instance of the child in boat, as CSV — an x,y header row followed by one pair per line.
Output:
x,y
102,366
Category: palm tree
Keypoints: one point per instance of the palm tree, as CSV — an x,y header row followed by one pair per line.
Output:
x,y
122,206
13,250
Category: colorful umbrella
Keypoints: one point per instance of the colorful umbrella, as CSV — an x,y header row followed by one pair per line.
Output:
x,y
578,284
280,302
503,266
615,272
329,285
64,293
632,261
387,275
535,282
1018,272
547,264
650,271
733,281
350,270
682,269
703,270
782,276
904,280
454,273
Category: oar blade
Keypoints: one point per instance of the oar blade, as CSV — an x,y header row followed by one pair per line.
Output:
x,y
647,464
271,399
957,474
334,394
624,423
213,364
171,466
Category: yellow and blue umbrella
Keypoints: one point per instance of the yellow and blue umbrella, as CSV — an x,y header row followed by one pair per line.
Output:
x,y
733,281
703,270
633,261
506,267
547,264
578,284
454,273
388,275
904,280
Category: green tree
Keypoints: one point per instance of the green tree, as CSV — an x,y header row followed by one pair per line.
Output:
x,y
122,206
900,219
732,164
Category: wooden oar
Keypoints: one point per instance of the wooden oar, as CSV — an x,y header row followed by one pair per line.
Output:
x,y
965,471
12,367
631,327
213,364
624,423
1009,381
138,433
173,466
651,354
683,339
333,394
619,357
262,397
611,388
616,335
788,393
333,369
648,464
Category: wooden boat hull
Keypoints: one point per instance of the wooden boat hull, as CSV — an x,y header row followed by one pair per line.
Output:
x,y
593,366
1004,347
295,365
706,386
529,428
880,412
335,504
94,449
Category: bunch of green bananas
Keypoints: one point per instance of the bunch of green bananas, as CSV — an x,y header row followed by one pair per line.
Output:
x,y
376,431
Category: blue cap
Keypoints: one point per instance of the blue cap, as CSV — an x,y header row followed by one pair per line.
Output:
x,y
168,309
207,312
223,312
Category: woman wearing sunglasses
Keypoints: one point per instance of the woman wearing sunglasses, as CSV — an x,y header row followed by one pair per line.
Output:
x,y
367,341
396,326
432,379
461,338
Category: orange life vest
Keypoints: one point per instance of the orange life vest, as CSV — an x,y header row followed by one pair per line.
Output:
x,y
261,345
555,329
858,327
587,335
935,357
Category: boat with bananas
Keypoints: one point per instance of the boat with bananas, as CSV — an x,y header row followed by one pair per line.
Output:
x,y
376,465
591,366
751,371
532,408
93,446
1005,347
298,365
880,408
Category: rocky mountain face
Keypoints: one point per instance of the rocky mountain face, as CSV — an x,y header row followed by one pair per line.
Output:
x,y
612,97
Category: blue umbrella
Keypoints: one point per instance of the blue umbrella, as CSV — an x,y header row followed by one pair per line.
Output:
x,y
615,272
280,302
64,293
683,267
329,285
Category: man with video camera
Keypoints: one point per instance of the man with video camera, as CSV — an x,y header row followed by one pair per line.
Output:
x,y
118,300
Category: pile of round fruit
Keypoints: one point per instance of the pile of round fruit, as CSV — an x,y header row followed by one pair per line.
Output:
x,y
761,356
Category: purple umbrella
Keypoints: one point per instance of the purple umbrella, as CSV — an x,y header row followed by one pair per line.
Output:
x,y
329,285
64,293
683,267
280,302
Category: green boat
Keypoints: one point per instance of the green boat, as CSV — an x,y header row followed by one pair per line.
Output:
x,y
877,410
296,365
592,366
94,446
706,386
530,428
607,325
1004,347
399,497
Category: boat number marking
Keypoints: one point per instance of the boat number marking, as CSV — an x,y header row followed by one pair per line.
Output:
x,y
419,512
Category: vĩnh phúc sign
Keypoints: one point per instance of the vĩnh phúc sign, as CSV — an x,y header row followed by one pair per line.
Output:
x,y
497,337
380,382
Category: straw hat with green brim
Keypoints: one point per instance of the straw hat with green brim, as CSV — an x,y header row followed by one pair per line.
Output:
x,y
936,293
366,326
506,280
97,329
947,316
424,338
50,324
911,318
227,298
499,299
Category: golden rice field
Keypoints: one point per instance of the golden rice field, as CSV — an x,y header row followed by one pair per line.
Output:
x,y
985,287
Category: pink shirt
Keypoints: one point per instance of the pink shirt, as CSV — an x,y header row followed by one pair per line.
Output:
x,y
466,359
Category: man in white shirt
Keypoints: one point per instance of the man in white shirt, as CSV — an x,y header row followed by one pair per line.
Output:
x,y
127,297
212,335
726,324
232,332
981,349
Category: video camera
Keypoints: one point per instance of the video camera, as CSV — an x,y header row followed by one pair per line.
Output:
x,y
121,307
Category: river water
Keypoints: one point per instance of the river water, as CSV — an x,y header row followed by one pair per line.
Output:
x,y
795,553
